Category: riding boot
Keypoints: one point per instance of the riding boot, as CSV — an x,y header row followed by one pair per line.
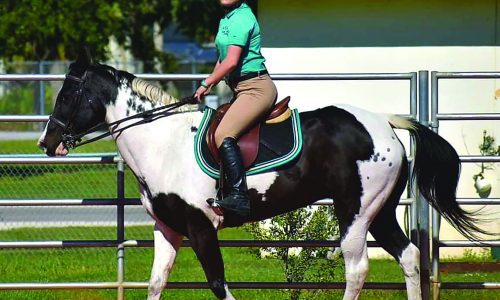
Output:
x,y
232,163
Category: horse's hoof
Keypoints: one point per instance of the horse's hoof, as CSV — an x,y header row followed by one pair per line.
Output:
x,y
215,207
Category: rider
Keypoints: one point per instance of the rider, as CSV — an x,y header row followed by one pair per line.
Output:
x,y
241,64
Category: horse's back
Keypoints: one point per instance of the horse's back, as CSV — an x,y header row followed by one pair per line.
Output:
x,y
367,129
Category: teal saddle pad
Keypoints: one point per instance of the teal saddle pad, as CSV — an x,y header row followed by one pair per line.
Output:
x,y
280,145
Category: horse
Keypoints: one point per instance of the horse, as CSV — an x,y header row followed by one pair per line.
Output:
x,y
348,154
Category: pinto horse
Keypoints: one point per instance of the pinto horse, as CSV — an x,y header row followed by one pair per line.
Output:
x,y
349,154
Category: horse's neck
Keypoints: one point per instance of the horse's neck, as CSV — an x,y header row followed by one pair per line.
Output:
x,y
126,104
151,147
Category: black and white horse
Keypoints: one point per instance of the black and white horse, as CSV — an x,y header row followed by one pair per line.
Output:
x,y
349,154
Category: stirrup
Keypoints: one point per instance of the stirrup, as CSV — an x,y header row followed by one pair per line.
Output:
x,y
234,206
215,207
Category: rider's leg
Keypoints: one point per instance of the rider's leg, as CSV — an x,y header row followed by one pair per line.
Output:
x,y
234,173
254,98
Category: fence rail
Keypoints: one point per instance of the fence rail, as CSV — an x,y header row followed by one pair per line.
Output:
x,y
199,285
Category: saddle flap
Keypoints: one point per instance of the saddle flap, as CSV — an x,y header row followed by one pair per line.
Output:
x,y
249,145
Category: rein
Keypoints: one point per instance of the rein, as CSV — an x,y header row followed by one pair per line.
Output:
x,y
71,140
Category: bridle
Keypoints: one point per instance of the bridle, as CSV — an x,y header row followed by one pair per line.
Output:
x,y
71,139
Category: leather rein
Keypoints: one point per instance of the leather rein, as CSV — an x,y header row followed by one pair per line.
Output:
x,y
70,139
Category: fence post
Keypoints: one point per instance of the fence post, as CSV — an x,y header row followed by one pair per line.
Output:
x,y
436,218
413,233
120,228
423,206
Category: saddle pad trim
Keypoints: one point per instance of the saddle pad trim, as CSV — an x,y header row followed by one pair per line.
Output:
x,y
257,168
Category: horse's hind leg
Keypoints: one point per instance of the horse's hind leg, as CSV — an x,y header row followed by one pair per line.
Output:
x,y
166,243
385,229
353,245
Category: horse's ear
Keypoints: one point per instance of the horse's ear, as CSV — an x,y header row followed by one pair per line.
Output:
x,y
84,58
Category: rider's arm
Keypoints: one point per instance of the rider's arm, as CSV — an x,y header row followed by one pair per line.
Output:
x,y
225,67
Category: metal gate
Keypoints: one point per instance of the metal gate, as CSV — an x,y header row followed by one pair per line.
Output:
x,y
437,243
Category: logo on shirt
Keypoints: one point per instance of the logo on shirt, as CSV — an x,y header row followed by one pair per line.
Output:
x,y
225,30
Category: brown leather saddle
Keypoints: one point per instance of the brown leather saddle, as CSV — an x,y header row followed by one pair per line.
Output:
x,y
249,141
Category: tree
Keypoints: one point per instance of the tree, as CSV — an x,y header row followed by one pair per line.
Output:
x,y
56,29
306,264
137,29
199,19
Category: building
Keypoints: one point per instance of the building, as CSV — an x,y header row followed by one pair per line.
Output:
x,y
365,36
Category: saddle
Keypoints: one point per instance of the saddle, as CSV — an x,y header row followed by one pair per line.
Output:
x,y
249,141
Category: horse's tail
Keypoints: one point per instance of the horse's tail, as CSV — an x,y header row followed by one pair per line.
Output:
x,y
437,171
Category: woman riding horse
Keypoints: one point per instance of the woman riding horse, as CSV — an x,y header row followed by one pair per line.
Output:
x,y
242,64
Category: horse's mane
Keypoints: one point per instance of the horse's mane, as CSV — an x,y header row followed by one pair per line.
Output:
x,y
156,95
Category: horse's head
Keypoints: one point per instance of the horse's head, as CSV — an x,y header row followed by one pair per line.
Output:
x,y
80,104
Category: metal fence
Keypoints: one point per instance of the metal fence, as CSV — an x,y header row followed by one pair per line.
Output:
x,y
418,225
437,243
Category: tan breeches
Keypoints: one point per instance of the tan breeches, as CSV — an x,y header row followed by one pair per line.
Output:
x,y
253,99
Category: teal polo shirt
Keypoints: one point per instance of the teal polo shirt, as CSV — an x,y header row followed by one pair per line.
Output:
x,y
239,27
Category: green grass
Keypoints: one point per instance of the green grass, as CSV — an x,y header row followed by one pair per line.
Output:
x,y
99,264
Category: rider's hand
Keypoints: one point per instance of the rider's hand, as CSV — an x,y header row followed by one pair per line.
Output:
x,y
201,92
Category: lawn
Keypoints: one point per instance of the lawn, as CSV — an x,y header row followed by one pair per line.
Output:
x,y
74,265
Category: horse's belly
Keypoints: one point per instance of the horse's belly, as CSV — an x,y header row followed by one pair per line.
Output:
x,y
261,182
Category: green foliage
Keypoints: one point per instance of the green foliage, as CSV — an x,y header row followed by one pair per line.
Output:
x,y
306,264
137,31
488,147
197,18
20,99
481,255
56,29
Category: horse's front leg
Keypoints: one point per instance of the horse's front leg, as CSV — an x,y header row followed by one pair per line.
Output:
x,y
166,244
204,241
195,224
